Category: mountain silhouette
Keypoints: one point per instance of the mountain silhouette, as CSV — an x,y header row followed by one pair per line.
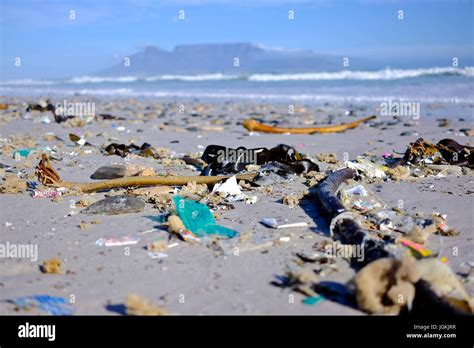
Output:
x,y
222,58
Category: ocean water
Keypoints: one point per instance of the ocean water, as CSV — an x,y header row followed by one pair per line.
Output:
x,y
438,84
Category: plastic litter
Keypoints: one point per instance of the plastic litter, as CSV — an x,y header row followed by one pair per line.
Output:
x,y
273,223
230,190
358,190
312,300
117,241
79,140
45,119
198,219
416,248
369,168
149,231
46,193
45,303
251,200
23,153
157,255
187,236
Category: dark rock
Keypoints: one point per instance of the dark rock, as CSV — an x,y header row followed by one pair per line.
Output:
x,y
121,204
113,171
409,133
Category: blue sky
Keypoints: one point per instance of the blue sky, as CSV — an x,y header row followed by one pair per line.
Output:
x,y
51,45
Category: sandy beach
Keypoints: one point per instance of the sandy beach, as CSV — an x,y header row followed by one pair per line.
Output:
x,y
195,279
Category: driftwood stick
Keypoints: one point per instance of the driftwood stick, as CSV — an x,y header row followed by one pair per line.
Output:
x,y
347,229
326,191
254,125
49,177
350,232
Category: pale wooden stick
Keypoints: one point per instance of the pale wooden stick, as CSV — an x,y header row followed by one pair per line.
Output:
x,y
49,177
254,125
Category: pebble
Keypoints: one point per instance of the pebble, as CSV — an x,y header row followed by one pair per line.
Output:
x,y
121,204
113,171
409,134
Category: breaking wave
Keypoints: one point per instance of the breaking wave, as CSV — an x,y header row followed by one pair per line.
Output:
x,y
385,74
305,97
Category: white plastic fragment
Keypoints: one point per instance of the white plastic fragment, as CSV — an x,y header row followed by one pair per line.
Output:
x,y
251,200
358,190
117,241
274,224
45,119
157,255
372,170
149,231
230,189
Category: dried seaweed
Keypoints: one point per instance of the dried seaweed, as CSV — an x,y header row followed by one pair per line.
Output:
x,y
224,160
446,151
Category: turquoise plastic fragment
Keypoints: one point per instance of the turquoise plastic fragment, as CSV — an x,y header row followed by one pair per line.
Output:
x,y
313,300
27,151
23,152
199,220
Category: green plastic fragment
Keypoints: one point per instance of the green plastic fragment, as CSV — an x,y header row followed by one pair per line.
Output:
x,y
313,300
27,151
199,220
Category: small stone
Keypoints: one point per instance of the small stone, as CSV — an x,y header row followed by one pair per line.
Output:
x,y
110,172
121,204
467,131
409,134
115,171
443,122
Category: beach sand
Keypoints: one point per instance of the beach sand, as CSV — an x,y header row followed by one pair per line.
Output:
x,y
194,279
